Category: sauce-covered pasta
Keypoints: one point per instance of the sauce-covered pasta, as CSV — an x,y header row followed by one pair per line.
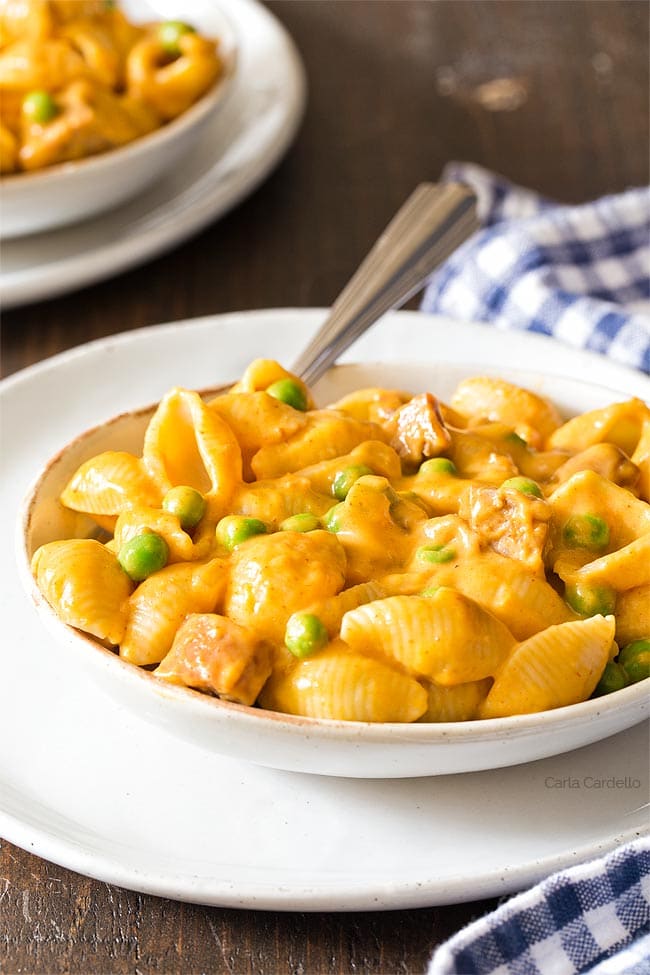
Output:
x,y
77,78
389,558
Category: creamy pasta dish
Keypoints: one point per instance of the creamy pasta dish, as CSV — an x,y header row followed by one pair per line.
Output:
x,y
389,558
77,78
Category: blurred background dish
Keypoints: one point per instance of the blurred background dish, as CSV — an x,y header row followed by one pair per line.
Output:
x,y
88,147
232,150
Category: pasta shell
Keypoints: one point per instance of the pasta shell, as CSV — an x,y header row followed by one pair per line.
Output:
x,y
486,398
459,702
261,373
85,585
626,568
445,637
188,443
132,522
375,454
273,576
641,458
211,653
559,666
345,686
274,500
160,604
619,423
332,609
257,419
371,403
516,595
589,493
326,434
110,483
633,614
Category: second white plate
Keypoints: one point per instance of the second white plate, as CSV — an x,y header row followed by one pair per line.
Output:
x,y
233,155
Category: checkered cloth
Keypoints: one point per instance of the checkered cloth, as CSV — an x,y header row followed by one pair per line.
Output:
x,y
578,273
592,918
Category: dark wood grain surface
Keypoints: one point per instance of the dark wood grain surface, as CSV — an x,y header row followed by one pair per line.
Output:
x,y
397,89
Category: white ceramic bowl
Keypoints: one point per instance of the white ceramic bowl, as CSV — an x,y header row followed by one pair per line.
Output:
x,y
352,749
69,192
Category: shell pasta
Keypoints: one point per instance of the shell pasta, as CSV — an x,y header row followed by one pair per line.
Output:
x,y
385,558
77,78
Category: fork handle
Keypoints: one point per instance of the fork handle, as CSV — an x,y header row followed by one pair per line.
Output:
x,y
431,224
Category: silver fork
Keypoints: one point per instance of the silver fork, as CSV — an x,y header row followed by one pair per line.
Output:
x,y
433,222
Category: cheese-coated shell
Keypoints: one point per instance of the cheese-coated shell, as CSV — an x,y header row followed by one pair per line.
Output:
x,y
331,610
273,576
559,666
186,442
212,653
346,687
326,434
445,637
371,403
85,585
626,568
516,595
460,702
633,614
641,457
262,373
587,492
132,522
619,423
257,419
378,456
110,483
160,604
278,498
487,398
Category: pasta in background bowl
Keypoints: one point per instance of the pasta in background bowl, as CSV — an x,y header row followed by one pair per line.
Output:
x,y
331,746
116,119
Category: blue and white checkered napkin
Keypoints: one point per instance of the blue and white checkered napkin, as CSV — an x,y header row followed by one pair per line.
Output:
x,y
578,273
591,918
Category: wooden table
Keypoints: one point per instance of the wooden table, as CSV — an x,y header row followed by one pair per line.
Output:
x,y
397,88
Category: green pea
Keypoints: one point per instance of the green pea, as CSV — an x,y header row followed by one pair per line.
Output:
x,y
169,35
39,106
429,590
635,660
143,555
332,518
288,391
303,522
590,600
613,678
525,485
346,478
305,633
438,465
515,439
436,553
586,531
235,529
186,503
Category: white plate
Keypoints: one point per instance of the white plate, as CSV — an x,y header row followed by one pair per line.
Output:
x,y
88,785
235,152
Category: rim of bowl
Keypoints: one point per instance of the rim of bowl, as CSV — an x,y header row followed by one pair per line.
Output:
x,y
206,104
377,732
